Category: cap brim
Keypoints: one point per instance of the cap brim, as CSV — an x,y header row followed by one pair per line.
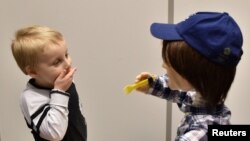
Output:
x,y
165,31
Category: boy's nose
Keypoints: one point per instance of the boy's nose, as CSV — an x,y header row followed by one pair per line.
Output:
x,y
67,63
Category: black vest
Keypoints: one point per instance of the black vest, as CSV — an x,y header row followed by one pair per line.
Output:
x,y
77,129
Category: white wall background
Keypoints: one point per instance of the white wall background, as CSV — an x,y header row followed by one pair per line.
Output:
x,y
110,43
238,97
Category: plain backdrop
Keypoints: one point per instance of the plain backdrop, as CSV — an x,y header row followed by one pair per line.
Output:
x,y
110,43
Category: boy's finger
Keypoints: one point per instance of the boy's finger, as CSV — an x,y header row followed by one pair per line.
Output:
x,y
62,74
71,72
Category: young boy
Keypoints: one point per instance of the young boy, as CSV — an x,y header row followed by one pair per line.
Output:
x,y
50,102
200,55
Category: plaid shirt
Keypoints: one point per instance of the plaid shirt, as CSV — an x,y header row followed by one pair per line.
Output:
x,y
194,125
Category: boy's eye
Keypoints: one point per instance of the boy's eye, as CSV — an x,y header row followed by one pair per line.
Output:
x,y
67,55
56,62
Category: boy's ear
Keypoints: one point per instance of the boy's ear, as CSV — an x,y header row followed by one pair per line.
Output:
x,y
31,71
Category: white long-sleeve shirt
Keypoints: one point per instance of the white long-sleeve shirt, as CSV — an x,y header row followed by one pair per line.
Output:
x,y
54,124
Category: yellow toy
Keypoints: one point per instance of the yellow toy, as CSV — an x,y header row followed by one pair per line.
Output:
x,y
130,87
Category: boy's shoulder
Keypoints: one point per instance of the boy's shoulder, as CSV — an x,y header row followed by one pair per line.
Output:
x,y
34,96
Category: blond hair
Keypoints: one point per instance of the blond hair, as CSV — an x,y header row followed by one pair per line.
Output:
x,y
31,41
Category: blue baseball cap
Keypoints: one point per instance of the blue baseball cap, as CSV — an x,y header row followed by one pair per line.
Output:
x,y
214,35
